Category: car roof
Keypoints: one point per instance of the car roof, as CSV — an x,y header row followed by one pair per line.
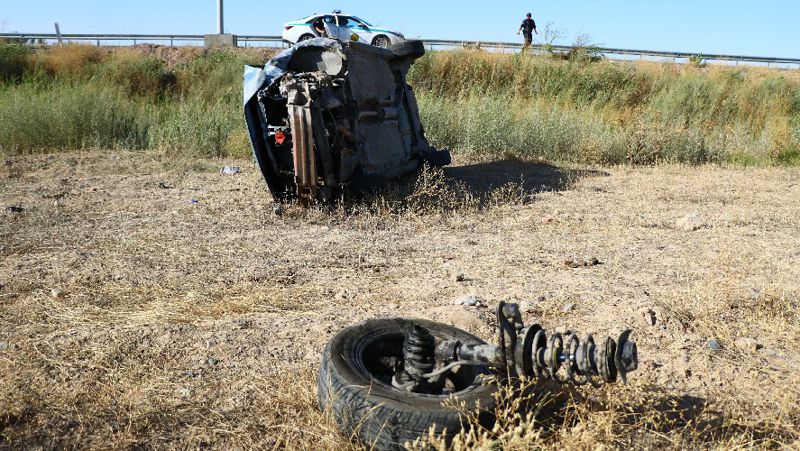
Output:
x,y
315,15
340,13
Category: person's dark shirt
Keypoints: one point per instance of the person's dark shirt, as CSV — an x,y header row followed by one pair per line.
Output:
x,y
528,25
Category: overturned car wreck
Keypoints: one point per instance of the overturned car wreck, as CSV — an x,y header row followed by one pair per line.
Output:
x,y
325,115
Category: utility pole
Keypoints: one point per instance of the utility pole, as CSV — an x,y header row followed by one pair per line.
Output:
x,y
220,21
220,39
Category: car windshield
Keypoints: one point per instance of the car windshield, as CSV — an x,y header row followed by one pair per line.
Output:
x,y
360,20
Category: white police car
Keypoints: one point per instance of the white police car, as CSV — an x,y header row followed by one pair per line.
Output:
x,y
343,27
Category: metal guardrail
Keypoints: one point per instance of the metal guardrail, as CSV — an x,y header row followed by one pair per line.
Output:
x,y
276,41
126,39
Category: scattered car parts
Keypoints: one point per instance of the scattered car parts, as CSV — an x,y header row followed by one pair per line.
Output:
x,y
388,381
324,115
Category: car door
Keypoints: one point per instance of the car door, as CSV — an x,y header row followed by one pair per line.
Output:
x,y
347,27
331,26
359,28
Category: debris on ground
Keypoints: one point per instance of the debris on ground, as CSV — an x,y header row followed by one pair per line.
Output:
x,y
230,170
690,222
714,345
568,308
56,293
421,364
582,262
17,209
3,345
649,315
470,301
747,344
458,277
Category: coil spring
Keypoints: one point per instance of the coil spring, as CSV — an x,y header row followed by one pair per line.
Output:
x,y
584,361
419,352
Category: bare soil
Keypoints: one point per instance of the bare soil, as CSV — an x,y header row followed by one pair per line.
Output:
x,y
152,302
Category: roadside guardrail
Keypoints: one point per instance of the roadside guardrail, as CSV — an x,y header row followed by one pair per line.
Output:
x,y
509,47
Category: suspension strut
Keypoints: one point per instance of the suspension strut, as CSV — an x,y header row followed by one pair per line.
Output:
x,y
522,352
419,359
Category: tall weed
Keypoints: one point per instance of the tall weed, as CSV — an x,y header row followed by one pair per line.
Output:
x,y
531,106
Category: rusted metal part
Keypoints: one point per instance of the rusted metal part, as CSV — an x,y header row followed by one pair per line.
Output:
x,y
526,352
509,320
305,165
321,141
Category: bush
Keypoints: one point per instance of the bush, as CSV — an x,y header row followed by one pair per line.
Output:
x,y
13,61
70,61
138,75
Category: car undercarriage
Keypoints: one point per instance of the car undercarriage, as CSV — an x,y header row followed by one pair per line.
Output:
x,y
325,116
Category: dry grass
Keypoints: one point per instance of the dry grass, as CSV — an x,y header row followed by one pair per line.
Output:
x,y
69,60
133,316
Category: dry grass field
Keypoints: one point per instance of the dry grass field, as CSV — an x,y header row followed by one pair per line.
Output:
x,y
152,302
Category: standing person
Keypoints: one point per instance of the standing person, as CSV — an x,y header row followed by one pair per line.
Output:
x,y
527,28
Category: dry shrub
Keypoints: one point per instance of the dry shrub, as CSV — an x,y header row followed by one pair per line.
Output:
x,y
238,144
138,74
435,193
516,426
68,60
637,416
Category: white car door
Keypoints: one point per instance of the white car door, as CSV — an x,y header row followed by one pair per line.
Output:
x,y
330,27
351,27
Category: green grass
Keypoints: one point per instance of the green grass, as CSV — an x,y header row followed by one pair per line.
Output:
x,y
477,103
79,97
611,113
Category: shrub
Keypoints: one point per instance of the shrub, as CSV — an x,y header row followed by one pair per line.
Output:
x,y
71,60
138,74
13,61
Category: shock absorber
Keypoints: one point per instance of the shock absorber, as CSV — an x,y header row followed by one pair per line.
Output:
x,y
521,352
583,361
419,359
567,359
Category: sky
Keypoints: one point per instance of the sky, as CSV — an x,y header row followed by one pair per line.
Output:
x,y
733,27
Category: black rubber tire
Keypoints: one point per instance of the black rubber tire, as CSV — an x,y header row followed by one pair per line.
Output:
x,y
381,416
382,39
409,49
306,37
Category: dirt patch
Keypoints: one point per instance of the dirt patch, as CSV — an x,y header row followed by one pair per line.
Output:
x,y
189,314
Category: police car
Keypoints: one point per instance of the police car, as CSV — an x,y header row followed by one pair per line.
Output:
x,y
343,27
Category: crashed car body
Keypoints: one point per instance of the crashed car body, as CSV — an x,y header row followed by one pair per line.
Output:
x,y
326,115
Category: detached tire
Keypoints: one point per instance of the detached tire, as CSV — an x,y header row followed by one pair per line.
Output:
x,y
355,387
409,49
